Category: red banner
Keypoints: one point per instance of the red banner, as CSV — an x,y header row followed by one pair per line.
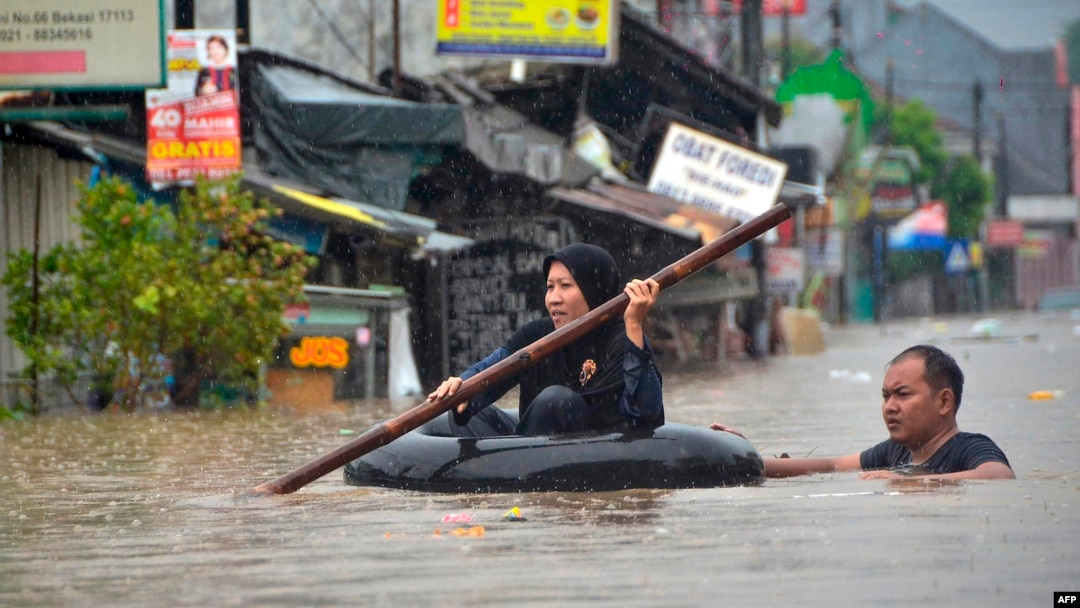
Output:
x,y
193,127
1004,233
775,8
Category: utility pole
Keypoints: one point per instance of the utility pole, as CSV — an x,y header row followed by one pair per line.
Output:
x,y
890,88
184,14
1002,208
878,243
752,53
752,41
976,121
837,28
1008,263
785,40
243,22
396,80
371,41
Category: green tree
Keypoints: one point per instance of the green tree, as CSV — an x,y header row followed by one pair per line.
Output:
x,y
966,191
200,284
913,124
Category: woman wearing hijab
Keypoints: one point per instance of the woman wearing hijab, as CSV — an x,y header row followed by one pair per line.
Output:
x,y
606,380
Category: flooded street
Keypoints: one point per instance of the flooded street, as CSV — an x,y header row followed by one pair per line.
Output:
x,y
147,510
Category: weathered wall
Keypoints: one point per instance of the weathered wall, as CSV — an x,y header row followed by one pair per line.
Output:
x,y
20,167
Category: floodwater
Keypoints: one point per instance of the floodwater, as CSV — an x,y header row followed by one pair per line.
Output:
x,y
148,510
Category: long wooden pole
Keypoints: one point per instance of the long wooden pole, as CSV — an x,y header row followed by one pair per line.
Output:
x,y
385,432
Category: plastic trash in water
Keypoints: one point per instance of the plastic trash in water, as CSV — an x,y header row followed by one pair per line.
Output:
x,y
472,531
986,328
513,515
457,518
346,432
1045,395
850,376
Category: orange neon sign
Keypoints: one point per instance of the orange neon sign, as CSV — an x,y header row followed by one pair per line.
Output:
x,y
320,351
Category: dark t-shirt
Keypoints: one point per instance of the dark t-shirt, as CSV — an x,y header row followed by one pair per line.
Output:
x,y
963,452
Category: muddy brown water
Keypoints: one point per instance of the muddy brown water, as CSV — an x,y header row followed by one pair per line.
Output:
x,y
147,510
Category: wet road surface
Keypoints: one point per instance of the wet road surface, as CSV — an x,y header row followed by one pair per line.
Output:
x,y
148,510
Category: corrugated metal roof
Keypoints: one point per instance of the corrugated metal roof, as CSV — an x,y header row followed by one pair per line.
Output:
x,y
650,209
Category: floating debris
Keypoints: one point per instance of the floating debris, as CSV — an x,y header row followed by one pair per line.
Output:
x,y
513,515
470,532
457,518
1045,395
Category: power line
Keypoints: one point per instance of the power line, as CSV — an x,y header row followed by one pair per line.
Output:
x,y
338,34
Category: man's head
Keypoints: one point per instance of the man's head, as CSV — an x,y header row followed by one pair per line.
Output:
x,y
940,369
920,394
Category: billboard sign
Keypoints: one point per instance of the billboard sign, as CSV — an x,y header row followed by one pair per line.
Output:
x,y
785,269
775,8
585,31
193,126
715,175
67,45
1004,233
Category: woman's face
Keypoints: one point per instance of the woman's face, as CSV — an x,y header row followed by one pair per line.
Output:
x,y
564,300
216,51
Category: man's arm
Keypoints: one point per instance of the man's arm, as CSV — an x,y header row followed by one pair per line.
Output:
x,y
790,467
986,470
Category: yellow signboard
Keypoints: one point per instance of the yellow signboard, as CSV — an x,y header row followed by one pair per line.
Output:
x,y
565,31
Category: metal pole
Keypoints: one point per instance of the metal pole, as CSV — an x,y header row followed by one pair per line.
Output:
x,y
1008,283
785,43
976,121
752,41
243,22
757,311
396,83
371,41
837,28
35,300
184,14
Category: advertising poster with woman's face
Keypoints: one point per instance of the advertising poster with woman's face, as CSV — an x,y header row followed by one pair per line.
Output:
x,y
193,126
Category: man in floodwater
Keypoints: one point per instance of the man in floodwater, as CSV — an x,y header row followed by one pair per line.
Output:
x,y
920,396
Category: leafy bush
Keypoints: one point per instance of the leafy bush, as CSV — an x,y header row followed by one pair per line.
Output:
x,y
200,285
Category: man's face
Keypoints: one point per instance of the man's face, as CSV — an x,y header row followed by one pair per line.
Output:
x,y
913,411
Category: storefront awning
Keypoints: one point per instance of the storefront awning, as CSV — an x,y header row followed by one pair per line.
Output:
x,y
346,141
411,231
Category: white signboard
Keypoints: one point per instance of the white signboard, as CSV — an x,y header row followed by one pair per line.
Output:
x,y
76,44
715,175
784,270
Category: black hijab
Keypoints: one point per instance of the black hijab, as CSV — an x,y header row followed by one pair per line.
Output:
x,y
599,354
593,269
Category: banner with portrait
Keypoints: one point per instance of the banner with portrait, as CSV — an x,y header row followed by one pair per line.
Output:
x,y
193,126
